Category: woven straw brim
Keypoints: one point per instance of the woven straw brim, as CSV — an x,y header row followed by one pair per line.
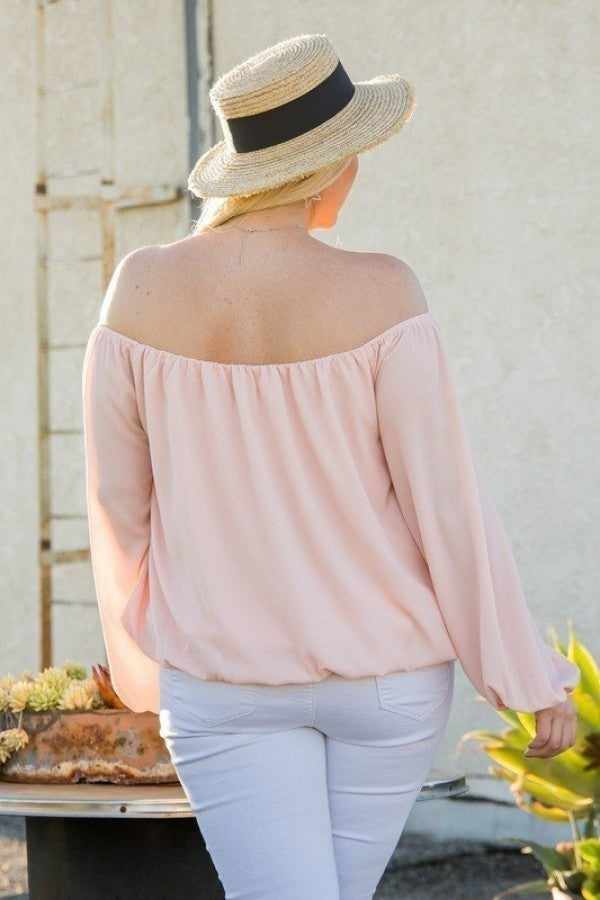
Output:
x,y
378,109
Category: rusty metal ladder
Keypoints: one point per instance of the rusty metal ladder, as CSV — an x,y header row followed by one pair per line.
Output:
x,y
108,200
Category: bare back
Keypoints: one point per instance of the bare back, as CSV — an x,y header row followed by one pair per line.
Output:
x,y
259,297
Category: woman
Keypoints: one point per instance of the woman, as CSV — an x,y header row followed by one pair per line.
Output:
x,y
290,543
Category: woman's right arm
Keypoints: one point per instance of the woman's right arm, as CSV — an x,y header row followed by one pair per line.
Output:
x,y
119,484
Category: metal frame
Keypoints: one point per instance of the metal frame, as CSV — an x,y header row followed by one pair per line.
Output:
x,y
148,801
108,199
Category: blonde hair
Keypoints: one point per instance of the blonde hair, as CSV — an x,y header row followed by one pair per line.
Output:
x,y
217,210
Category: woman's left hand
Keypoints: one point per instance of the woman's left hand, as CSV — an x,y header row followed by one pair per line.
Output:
x,y
556,730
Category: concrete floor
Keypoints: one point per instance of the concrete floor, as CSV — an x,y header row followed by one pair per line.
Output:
x,y
420,869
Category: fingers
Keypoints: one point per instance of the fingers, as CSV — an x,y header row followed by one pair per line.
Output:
x,y
540,745
556,730
573,732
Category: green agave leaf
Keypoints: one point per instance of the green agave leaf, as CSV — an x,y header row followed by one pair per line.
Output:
x,y
552,771
568,769
569,880
510,759
511,737
553,795
539,787
548,813
590,889
516,738
510,717
549,857
484,736
588,710
528,887
556,643
574,760
589,850
535,807
527,720
499,772
581,656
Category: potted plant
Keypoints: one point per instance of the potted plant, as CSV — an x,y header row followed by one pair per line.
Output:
x,y
63,725
564,788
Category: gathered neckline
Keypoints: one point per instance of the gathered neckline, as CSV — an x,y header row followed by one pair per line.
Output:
x,y
294,364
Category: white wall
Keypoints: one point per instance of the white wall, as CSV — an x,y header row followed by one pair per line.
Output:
x,y
491,193
94,97
18,343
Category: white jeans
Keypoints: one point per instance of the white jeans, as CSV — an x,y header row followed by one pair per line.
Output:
x,y
301,791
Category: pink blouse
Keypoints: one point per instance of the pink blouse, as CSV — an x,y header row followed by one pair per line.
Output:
x,y
275,523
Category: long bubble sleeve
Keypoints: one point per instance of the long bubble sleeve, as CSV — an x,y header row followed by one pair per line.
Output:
x,y
119,481
457,529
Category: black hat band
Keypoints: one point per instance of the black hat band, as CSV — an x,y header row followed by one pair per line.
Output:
x,y
273,126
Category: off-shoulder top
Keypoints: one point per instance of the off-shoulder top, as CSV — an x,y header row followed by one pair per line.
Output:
x,y
276,523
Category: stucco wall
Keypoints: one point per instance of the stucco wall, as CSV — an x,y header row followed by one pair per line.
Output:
x,y
95,161
18,345
491,194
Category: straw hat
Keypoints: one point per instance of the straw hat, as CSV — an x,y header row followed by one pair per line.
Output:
x,y
291,109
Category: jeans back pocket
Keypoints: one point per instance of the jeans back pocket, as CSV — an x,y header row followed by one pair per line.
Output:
x,y
416,694
208,702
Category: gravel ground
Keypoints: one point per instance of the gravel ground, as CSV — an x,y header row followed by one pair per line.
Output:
x,y
13,857
423,869
420,869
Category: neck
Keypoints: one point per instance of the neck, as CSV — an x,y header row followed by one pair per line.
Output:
x,y
289,216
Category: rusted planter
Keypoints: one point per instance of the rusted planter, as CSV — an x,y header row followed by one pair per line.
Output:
x,y
111,745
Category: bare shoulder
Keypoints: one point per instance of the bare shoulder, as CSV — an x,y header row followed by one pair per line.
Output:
x,y
395,287
132,289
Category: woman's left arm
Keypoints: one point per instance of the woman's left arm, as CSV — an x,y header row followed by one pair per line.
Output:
x,y
455,524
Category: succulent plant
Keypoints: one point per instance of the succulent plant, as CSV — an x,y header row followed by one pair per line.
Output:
x,y
67,687
81,694
564,788
101,674
12,739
